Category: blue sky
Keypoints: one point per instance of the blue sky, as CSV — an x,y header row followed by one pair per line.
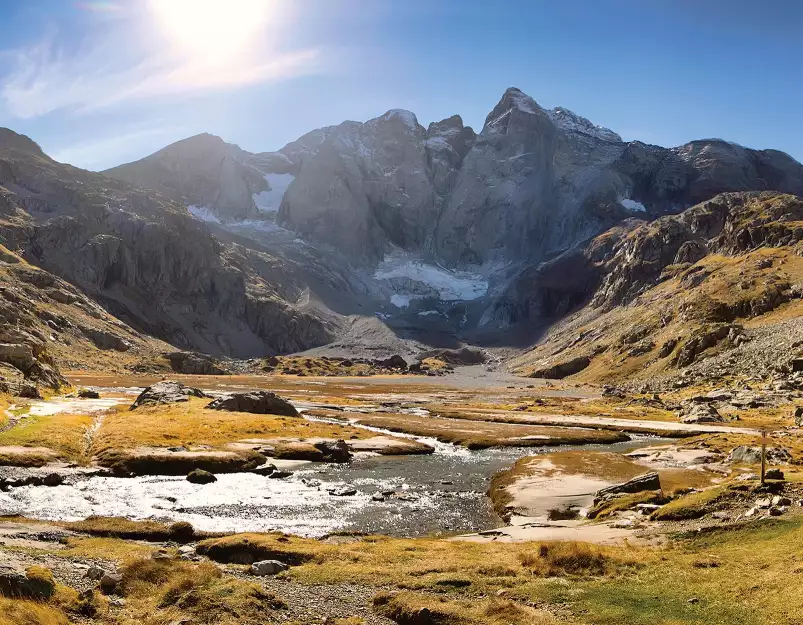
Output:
x,y
101,83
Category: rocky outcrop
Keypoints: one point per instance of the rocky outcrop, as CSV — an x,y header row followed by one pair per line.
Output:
x,y
35,583
148,262
192,363
745,454
562,370
256,402
166,393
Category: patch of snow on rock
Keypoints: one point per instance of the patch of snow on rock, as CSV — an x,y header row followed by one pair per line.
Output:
x,y
203,213
450,285
400,301
633,206
269,201
408,117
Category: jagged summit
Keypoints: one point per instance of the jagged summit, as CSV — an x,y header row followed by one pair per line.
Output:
x,y
572,122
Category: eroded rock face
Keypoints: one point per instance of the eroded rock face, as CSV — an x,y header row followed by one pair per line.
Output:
x,y
148,261
562,370
257,402
191,363
745,454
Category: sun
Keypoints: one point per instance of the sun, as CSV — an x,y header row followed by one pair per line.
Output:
x,y
212,30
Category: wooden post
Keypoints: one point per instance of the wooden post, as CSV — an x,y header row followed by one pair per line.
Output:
x,y
763,454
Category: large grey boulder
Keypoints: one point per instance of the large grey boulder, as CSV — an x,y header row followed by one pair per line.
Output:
x,y
745,454
268,567
648,481
257,402
166,392
693,412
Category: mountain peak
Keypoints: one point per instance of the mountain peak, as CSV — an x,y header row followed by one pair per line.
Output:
x,y
569,121
10,140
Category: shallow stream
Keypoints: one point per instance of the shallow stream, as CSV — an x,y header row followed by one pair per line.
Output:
x,y
439,493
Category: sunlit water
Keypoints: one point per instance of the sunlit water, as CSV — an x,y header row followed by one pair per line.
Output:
x,y
440,493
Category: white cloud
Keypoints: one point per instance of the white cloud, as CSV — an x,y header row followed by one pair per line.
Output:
x,y
121,69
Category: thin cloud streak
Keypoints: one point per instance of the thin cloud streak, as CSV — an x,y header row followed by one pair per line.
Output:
x,y
44,79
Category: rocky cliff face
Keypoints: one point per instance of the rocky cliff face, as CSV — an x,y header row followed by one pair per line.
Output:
x,y
147,261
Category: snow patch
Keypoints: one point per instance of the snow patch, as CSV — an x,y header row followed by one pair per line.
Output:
x,y
450,285
408,117
428,313
400,301
204,214
633,206
270,200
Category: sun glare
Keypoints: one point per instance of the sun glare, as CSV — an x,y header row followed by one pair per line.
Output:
x,y
212,30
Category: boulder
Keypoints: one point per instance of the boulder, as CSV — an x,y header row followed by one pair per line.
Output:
x,y
166,392
106,340
394,362
256,402
109,583
692,412
648,481
334,451
774,474
35,583
563,369
199,476
268,567
798,415
192,363
86,393
745,454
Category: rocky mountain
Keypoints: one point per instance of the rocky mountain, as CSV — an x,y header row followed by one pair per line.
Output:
x,y
529,186
147,261
407,233
716,289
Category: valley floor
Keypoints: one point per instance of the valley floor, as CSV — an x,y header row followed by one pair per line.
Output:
x,y
411,539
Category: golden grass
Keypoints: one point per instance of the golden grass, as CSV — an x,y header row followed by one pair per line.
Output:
x,y
64,434
409,608
114,549
18,612
174,589
484,434
190,424
416,564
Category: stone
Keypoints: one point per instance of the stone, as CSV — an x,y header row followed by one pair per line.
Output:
x,y
95,573
780,500
109,583
334,451
346,491
377,497
268,567
255,402
699,413
776,511
166,392
774,474
86,393
199,476
745,454
798,415
20,584
763,503
648,481
52,479
279,475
